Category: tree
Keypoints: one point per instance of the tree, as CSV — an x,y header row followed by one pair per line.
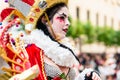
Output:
x,y
90,32
75,29
106,35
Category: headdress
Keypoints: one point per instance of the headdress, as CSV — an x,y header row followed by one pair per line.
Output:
x,y
27,10
34,9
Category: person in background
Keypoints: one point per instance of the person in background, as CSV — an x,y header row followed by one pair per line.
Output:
x,y
39,51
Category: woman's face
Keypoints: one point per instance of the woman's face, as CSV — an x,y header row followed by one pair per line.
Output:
x,y
60,23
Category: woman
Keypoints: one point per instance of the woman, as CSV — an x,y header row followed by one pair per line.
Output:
x,y
43,47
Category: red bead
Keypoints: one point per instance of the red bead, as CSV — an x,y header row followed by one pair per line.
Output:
x,y
37,10
22,35
31,19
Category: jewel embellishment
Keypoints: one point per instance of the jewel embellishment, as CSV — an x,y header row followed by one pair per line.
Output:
x,y
42,4
0,23
6,1
37,10
31,19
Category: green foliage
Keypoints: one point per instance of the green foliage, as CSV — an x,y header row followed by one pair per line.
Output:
x,y
75,29
117,38
106,35
89,31
100,34
63,76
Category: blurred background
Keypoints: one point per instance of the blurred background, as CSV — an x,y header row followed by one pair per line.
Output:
x,y
95,34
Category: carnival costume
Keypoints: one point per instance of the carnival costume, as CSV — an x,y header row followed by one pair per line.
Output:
x,y
23,46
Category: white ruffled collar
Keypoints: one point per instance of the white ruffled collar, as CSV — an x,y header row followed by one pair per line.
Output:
x,y
52,49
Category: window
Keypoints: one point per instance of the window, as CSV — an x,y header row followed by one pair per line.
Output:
x,y
97,19
77,13
112,22
88,15
105,20
119,24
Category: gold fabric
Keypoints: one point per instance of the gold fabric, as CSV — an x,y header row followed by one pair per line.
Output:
x,y
4,76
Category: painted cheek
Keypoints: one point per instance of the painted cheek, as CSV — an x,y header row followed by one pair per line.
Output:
x,y
60,20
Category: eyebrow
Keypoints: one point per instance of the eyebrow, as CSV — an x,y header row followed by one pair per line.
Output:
x,y
63,14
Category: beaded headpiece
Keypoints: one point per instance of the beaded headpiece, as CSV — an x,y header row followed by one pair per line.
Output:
x,y
33,9
28,10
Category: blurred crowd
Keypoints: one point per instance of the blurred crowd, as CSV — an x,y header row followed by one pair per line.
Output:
x,y
108,65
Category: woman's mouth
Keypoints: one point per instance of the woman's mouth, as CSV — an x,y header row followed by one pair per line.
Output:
x,y
65,30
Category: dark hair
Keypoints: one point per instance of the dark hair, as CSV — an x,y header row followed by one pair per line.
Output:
x,y
51,12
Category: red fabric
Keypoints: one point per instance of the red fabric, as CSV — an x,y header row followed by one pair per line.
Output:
x,y
5,13
36,58
12,56
30,2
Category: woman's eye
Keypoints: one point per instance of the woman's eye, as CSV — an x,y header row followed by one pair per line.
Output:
x,y
62,17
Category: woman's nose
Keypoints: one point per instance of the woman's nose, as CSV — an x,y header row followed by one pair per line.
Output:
x,y
67,22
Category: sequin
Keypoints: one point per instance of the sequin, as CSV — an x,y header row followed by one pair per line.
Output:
x,y
0,23
6,1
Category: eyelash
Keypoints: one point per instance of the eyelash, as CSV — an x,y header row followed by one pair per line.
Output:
x,y
62,17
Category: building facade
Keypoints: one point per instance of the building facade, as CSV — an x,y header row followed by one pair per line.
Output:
x,y
98,12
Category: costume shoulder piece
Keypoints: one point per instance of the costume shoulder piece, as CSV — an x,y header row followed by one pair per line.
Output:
x,y
13,50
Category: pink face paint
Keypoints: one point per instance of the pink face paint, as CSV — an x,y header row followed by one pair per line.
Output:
x,y
61,19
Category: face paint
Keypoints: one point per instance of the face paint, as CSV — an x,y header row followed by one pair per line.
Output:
x,y
60,22
61,17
